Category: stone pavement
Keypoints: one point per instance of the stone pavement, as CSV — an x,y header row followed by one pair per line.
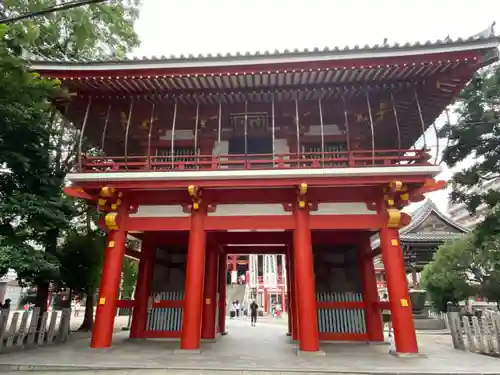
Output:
x,y
264,349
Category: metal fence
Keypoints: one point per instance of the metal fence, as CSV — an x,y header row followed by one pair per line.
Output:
x,y
476,335
20,330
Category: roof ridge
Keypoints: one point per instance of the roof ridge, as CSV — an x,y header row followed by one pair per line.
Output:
x,y
480,37
423,212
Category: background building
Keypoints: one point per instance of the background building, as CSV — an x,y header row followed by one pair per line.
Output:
x,y
459,213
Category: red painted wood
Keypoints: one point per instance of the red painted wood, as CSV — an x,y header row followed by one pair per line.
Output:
x,y
143,287
373,317
252,183
208,330
323,336
125,303
285,65
110,282
401,313
161,334
222,292
255,195
358,158
195,272
306,290
268,222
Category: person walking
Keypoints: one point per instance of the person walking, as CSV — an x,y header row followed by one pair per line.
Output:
x,y
238,309
254,308
233,310
78,306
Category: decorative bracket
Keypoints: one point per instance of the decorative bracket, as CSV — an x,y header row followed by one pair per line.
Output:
x,y
195,194
301,195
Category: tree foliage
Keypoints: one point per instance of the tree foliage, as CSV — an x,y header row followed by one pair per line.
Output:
x,y
461,269
35,215
27,207
88,32
476,136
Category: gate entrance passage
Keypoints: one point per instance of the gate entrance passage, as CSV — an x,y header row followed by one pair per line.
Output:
x,y
343,305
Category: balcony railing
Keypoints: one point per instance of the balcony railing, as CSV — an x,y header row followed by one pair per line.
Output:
x,y
338,159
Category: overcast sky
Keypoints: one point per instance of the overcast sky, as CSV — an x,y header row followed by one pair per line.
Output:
x,y
202,26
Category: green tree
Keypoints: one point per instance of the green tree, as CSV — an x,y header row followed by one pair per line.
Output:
x,y
88,32
475,138
80,260
95,31
448,278
24,217
461,269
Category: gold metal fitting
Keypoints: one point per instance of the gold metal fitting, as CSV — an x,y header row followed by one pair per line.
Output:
x,y
302,188
107,192
101,202
302,204
117,204
393,217
405,196
110,220
390,202
196,206
192,190
396,186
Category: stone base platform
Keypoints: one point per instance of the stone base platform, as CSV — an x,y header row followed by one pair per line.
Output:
x,y
264,349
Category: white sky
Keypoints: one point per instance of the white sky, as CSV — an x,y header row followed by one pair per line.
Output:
x,y
202,26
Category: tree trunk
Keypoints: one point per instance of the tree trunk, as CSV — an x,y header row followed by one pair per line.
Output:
x,y
88,318
42,295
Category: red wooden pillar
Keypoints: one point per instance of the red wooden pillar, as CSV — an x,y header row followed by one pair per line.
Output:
x,y
143,289
373,315
293,298
222,292
195,275
306,290
102,331
399,300
265,301
208,330
289,298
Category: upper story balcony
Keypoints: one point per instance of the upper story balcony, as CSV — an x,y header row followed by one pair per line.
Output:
x,y
337,159
362,107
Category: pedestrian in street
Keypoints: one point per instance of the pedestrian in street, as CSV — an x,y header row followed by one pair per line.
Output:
x,y
6,304
386,315
238,309
254,308
233,310
78,306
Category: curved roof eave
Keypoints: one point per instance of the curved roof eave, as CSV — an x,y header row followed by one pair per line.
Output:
x,y
270,58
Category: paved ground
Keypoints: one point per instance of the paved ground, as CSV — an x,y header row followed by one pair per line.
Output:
x,y
264,349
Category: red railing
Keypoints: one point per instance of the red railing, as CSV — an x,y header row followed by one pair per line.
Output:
x,y
260,281
341,159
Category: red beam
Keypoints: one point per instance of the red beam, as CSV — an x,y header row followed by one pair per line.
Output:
x,y
156,224
254,249
76,193
267,222
248,196
256,183
161,334
347,222
328,336
246,69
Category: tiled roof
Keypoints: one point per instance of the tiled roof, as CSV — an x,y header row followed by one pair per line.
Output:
x,y
478,39
418,217
423,212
